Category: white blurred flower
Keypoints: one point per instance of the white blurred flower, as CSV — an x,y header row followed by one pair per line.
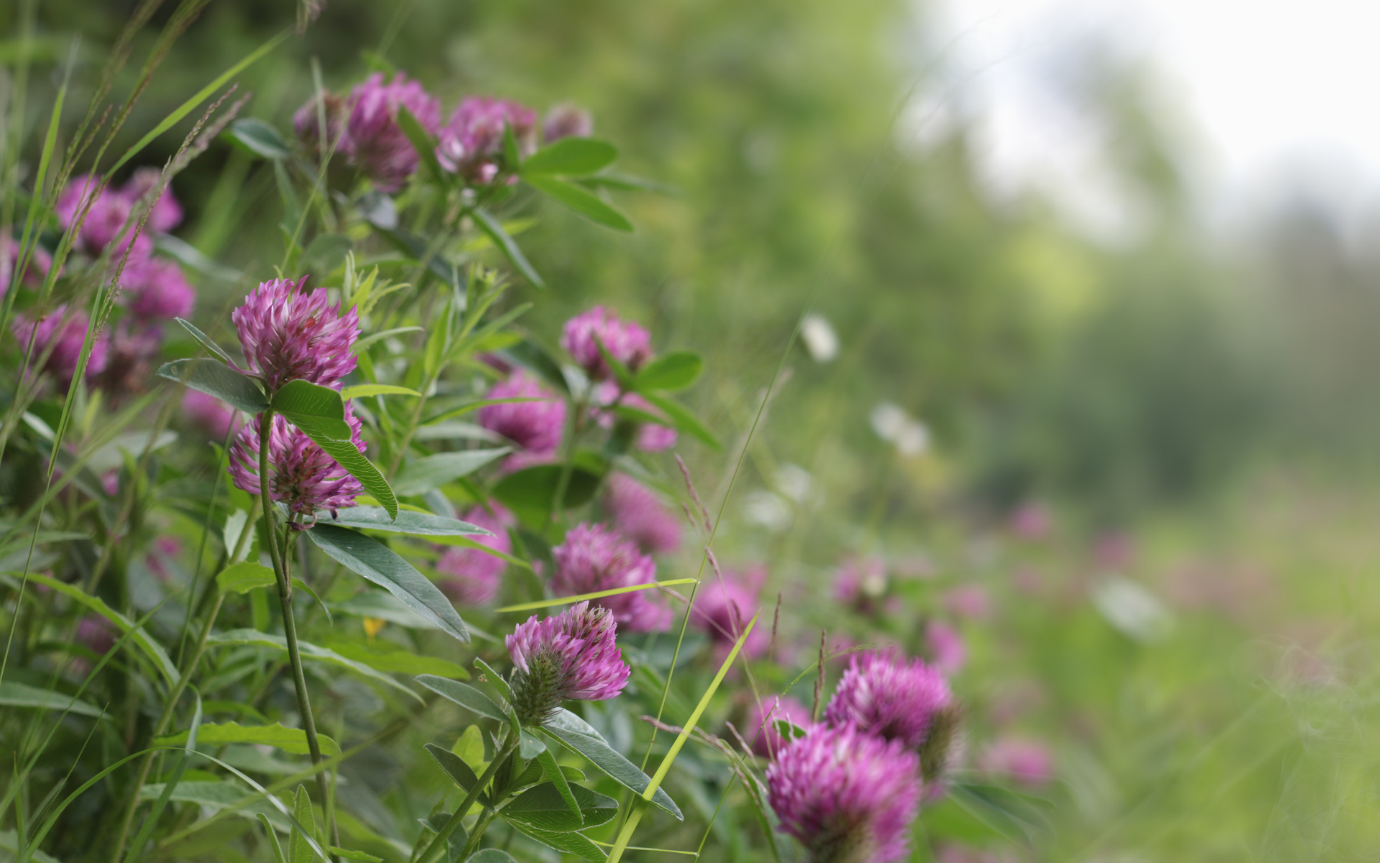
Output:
x,y
768,509
1133,610
795,482
893,425
819,337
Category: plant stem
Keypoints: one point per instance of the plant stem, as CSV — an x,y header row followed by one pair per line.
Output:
x,y
162,725
279,556
509,746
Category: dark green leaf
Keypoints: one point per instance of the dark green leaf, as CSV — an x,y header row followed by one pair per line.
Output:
x,y
415,523
490,226
672,372
377,563
571,157
259,138
511,156
22,695
530,492
462,694
384,655
547,759
681,418
347,854
544,808
494,679
217,379
423,474
244,577
569,843
627,183
205,340
581,737
298,850
582,201
455,767
303,403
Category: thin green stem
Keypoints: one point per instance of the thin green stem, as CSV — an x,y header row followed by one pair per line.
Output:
x,y
509,746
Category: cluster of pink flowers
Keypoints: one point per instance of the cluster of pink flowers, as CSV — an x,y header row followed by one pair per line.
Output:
x,y
152,290
536,426
364,128
637,514
626,341
468,575
288,334
723,608
570,656
595,558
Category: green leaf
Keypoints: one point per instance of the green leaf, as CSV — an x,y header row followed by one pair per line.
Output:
x,y
580,736
386,656
22,695
570,157
544,808
217,796
151,648
490,226
309,651
348,456
529,492
421,475
244,577
205,341
315,409
326,253
377,563
539,361
681,418
494,679
217,379
569,843
470,747
260,138
627,183
355,855
547,759
364,390
582,201
273,843
456,768
298,850
421,142
292,740
490,855
384,606
672,372
464,695
788,729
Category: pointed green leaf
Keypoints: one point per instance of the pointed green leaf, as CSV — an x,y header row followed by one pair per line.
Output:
x,y
292,740
491,855
671,372
570,157
408,521
14,694
309,651
260,138
215,378
581,200
580,736
298,850
377,563
547,759
681,418
490,226
464,695
569,843
364,390
544,808
421,142
529,492
205,341
321,407
349,457
456,768
244,577
421,475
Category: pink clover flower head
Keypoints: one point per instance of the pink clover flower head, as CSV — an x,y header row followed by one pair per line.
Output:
x,y
722,610
305,477
1025,761
968,601
157,290
595,558
166,213
34,271
651,437
761,728
209,413
848,796
471,144
64,341
945,646
566,120
536,426
290,334
374,141
571,656
637,514
468,575
306,123
889,696
625,341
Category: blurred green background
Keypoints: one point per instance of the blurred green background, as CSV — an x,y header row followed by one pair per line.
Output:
x,y
1213,398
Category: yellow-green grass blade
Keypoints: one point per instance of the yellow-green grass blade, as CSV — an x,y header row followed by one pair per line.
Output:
x,y
598,594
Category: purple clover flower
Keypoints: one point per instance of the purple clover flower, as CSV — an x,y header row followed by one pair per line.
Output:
x,y
374,141
471,144
535,426
849,797
306,123
36,270
626,341
209,413
566,120
945,646
638,515
761,727
723,608
468,575
107,219
166,213
155,289
594,558
64,340
305,478
288,334
570,656
891,697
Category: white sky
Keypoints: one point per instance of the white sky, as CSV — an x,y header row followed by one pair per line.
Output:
x,y
1265,91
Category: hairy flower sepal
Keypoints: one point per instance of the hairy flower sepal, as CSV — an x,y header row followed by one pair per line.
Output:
x,y
569,656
